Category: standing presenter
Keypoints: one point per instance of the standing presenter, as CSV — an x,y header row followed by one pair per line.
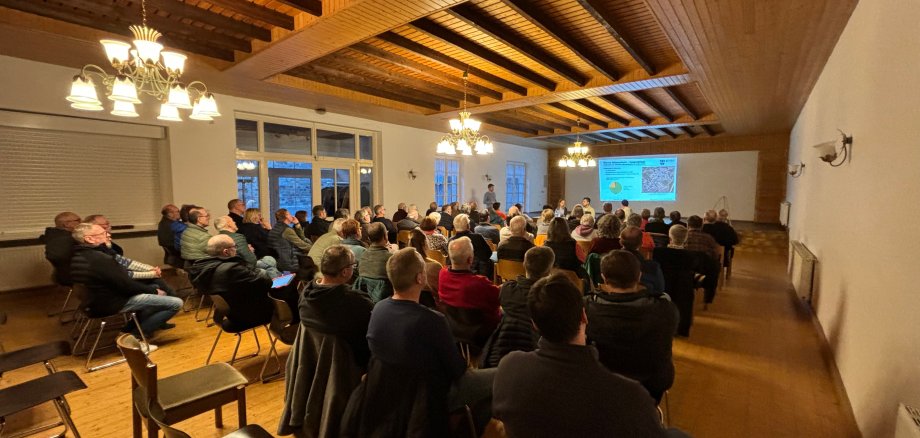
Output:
x,y
488,198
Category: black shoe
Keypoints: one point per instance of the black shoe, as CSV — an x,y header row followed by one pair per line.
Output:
x,y
167,326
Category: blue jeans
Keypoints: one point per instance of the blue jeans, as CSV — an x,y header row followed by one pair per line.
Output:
x,y
152,310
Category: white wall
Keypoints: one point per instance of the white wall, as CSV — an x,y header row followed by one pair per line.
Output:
x,y
701,180
857,218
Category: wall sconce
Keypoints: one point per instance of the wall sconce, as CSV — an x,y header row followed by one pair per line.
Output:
x,y
412,175
487,177
828,153
795,170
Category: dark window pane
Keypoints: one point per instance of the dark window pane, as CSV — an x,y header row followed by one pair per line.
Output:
x,y
290,186
247,137
247,182
366,143
335,184
367,187
335,144
287,139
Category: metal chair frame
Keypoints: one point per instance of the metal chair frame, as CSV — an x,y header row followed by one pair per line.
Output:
x,y
282,322
85,321
220,309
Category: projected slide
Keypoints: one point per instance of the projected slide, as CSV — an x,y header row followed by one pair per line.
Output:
x,y
651,178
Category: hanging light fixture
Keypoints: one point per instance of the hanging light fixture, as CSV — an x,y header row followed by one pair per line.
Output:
x,y
464,134
144,69
577,154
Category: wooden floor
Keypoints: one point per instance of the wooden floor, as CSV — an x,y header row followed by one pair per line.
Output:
x,y
752,367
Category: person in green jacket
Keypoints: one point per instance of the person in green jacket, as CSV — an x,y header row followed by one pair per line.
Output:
x,y
194,243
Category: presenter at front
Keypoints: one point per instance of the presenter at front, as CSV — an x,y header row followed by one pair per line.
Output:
x,y
489,197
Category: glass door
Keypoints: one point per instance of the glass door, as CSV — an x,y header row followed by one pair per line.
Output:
x,y
335,189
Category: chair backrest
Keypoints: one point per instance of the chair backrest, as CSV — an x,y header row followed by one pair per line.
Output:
x,y
508,270
143,371
585,246
221,308
661,240
436,255
492,245
444,231
573,277
281,321
468,325
497,226
155,413
539,240
402,238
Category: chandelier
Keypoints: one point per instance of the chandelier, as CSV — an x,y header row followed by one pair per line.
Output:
x,y
464,133
144,69
578,155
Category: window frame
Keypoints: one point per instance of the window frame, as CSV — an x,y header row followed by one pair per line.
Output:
x,y
446,197
515,196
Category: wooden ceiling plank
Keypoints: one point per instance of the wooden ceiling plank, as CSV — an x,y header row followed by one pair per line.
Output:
x,y
308,74
441,33
630,134
373,82
607,21
688,131
423,69
649,133
545,113
507,36
544,21
647,101
312,7
491,120
602,111
434,55
668,132
528,117
257,12
579,114
620,104
708,130
521,122
683,105
181,9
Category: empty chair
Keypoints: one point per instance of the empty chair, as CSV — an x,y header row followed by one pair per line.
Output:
x,y
508,270
248,431
402,238
180,396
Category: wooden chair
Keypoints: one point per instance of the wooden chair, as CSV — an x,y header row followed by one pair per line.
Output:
x,y
507,270
444,232
585,246
249,431
437,256
661,240
180,396
573,277
402,238
539,240
492,245
285,330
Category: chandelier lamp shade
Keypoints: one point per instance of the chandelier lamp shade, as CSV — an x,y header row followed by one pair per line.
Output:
x,y
577,155
143,68
464,134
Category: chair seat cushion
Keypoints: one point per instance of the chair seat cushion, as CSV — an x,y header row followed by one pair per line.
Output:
x,y
189,386
35,392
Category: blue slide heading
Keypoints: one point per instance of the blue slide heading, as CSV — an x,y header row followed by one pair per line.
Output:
x,y
652,178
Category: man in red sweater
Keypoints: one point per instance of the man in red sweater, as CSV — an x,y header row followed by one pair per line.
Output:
x,y
460,287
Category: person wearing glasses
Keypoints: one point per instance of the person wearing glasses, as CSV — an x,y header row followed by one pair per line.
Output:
x,y
194,243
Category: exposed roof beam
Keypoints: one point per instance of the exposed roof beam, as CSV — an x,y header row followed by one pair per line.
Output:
x,y
520,114
688,131
529,10
668,132
497,29
625,107
659,123
423,69
609,136
179,9
255,11
441,33
602,111
683,106
521,121
649,133
630,134
579,114
708,130
434,55
312,7
402,80
333,32
366,80
547,114
328,77
647,101
607,20
497,121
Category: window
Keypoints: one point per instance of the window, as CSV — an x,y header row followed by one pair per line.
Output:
x,y
446,181
247,135
290,184
335,144
288,139
247,182
336,187
515,177
367,186
367,146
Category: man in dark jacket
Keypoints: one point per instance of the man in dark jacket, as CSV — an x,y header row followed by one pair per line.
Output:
x,y
482,252
236,208
59,245
561,389
165,235
110,288
330,306
318,225
244,287
679,267
447,218
652,277
401,213
632,327
515,246
380,216
480,225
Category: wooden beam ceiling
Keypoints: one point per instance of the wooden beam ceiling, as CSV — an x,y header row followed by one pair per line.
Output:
x,y
180,10
680,102
620,104
363,85
312,7
654,106
602,111
608,22
256,12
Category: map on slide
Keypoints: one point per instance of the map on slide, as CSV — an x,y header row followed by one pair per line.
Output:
x,y
652,178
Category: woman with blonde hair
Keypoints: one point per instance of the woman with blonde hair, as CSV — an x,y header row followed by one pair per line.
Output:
x,y
255,228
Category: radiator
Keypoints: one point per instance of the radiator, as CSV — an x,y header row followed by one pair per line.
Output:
x,y
908,425
802,270
784,213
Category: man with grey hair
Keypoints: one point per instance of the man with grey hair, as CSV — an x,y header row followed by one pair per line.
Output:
x,y
410,221
103,222
244,287
718,227
332,237
195,238
401,213
482,252
459,287
111,290
330,306
225,225
59,245
514,247
236,208
679,267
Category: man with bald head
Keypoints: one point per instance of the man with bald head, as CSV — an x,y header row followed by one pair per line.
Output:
x,y
458,286
514,247
59,245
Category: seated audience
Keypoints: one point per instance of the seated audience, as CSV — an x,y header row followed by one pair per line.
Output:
x,y
560,210
410,221
585,230
332,237
243,286
656,224
482,253
236,208
194,242
515,331
165,236
59,245
110,288
103,222
505,232
675,219
631,326
380,217
286,238
181,225
546,216
364,219
563,245
330,306
301,216
679,267
624,205
435,241
719,228
514,247
648,244
586,206
652,277
401,213
646,215
458,286
710,264
344,213
575,219
447,218
432,269
608,235
620,214
351,238
373,262
318,225
432,207
256,231
226,226
607,208
496,216
136,270
561,389
483,227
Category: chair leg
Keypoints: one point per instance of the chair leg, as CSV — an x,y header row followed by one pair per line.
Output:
x,y
219,417
89,356
208,321
64,307
60,404
239,338
198,309
241,405
219,331
667,408
271,351
135,421
153,429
